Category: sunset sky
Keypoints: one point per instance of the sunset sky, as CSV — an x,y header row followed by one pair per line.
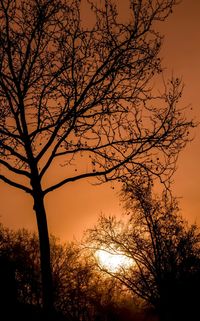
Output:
x,y
76,206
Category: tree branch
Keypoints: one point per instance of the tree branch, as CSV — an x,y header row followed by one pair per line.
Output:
x,y
14,169
14,184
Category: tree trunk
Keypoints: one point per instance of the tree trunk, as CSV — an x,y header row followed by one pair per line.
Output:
x,y
46,274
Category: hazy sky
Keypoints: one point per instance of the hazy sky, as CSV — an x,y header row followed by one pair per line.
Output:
x,y
76,206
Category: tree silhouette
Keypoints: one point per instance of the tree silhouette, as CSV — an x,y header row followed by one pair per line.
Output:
x,y
70,92
80,291
21,249
164,249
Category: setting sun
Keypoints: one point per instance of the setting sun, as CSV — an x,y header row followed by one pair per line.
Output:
x,y
112,261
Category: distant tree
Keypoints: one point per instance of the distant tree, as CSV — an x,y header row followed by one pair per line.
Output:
x,y
70,92
21,249
164,249
73,277
81,291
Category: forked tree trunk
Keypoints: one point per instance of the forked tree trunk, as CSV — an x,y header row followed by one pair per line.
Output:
x,y
46,274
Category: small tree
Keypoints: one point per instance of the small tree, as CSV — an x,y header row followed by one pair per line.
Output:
x,y
21,248
165,252
70,93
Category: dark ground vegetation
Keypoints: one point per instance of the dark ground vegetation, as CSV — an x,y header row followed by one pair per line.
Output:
x,y
163,284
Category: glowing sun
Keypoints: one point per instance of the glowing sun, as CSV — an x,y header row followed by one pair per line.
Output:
x,y
112,261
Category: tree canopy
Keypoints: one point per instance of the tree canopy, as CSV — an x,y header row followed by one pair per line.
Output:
x,y
78,95
81,95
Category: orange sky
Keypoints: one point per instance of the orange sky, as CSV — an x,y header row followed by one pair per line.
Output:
x,y
76,206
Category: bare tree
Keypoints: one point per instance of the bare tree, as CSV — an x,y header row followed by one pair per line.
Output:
x,y
164,250
69,92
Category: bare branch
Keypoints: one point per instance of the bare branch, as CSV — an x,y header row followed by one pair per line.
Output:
x,y
15,184
14,169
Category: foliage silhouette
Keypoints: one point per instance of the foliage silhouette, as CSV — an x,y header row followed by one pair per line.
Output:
x,y
69,91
